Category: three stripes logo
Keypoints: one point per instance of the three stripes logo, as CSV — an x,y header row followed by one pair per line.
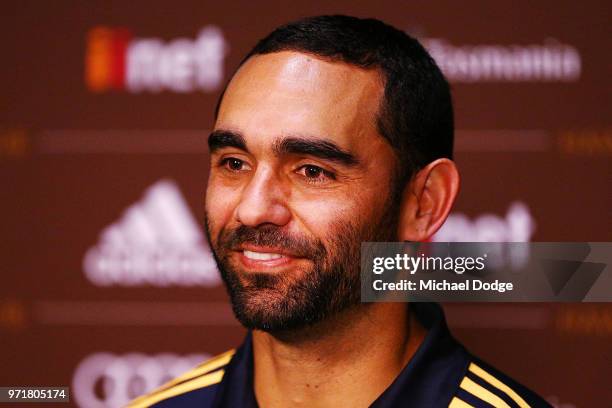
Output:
x,y
115,60
156,242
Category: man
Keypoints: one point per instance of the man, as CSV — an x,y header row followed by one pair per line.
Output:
x,y
333,131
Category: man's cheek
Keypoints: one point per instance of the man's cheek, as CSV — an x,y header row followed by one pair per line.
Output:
x,y
213,226
320,216
219,208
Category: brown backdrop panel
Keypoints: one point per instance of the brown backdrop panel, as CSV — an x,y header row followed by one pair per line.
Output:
x,y
75,161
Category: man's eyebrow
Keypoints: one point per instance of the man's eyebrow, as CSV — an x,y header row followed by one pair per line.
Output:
x,y
315,147
219,139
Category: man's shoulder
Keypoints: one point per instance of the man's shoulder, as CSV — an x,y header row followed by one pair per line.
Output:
x,y
197,386
452,376
484,386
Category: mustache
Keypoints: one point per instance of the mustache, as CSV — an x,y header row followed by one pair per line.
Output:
x,y
273,236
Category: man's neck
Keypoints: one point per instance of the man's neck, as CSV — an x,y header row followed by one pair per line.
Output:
x,y
348,360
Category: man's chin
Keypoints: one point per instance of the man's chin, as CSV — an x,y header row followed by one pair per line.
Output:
x,y
268,312
261,300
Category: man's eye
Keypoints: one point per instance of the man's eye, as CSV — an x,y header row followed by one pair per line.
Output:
x,y
234,164
315,174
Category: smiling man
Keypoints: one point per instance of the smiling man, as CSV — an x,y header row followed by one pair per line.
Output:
x,y
333,131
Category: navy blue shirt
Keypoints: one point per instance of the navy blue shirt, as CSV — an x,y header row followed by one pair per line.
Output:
x,y
442,373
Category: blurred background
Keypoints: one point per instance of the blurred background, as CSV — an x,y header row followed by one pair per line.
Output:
x,y
108,284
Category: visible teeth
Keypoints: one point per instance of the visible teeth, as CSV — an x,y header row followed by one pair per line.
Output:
x,y
261,256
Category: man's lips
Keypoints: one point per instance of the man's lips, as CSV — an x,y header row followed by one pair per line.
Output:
x,y
261,249
260,257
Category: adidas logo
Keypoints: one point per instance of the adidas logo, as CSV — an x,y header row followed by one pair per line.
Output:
x,y
157,242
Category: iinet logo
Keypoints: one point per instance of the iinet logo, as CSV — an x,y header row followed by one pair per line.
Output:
x,y
517,226
115,60
156,242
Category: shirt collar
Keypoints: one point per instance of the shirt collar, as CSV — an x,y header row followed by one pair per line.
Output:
x,y
430,378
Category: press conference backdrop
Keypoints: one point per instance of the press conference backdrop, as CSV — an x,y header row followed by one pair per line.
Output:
x,y
108,285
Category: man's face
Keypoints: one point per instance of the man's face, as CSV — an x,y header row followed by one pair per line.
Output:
x,y
299,178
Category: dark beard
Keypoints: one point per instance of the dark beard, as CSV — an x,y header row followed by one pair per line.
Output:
x,y
282,302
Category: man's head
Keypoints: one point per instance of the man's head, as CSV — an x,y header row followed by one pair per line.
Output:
x,y
333,131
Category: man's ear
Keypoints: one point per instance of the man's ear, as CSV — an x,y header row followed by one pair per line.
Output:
x,y
427,200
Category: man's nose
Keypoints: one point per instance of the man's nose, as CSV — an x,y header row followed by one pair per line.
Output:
x,y
263,201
